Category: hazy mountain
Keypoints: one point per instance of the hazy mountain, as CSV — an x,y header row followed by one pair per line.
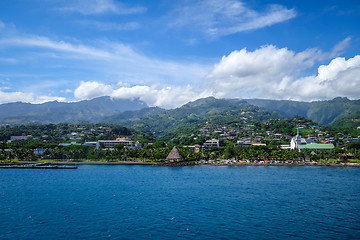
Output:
x,y
322,112
56,112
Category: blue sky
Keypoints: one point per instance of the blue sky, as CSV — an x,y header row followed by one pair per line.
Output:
x,y
170,52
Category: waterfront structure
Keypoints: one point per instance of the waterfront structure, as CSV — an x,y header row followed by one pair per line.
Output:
x,y
174,155
110,144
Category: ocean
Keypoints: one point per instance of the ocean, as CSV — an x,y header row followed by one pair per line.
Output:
x,y
200,202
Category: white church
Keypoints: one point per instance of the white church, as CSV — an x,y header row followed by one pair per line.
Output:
x,y
301,144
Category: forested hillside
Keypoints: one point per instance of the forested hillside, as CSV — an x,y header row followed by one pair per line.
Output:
x,y
59,112
322,112
191,116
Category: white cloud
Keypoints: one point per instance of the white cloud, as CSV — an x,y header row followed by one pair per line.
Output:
x,y
43,99
156,95
224,17
43,42
340,47
8,60
90,7
162,96
243,72
267,72
109,58
339,78
107,26
270,72
27,97
90,90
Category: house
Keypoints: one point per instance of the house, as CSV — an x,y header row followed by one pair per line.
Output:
x,y
13,138
39,151
196,148
211,143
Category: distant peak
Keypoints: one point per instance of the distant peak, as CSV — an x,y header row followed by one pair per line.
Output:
x,y
340,99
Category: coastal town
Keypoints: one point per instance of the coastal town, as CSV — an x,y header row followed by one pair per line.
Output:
x,y
245,143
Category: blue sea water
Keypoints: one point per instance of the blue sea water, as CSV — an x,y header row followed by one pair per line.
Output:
x,y
202,202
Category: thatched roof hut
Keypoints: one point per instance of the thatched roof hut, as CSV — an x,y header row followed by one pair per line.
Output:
x,y
174,155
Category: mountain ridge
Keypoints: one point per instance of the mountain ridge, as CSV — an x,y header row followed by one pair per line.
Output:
x,y
105,109
63,112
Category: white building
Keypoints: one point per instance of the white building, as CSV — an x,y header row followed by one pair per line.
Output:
x,y
297,140
211,143
110,144
301,144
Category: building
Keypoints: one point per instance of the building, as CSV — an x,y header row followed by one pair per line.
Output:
x,y
39,151
68,144
316,146
174,155
211,143
297,141
13,138
110,144
91,144
196,148
301,144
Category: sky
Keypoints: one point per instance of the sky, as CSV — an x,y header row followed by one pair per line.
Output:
x,y
168,53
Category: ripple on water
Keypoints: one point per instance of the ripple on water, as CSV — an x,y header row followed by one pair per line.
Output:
x,y
137,202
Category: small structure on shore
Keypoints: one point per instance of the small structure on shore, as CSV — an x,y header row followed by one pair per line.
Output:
x,y
174,155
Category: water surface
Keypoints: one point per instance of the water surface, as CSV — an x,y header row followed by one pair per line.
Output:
x,y
202,202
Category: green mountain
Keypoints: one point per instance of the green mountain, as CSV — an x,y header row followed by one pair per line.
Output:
x,y
351,122
322,112
59,112
135,113
191,116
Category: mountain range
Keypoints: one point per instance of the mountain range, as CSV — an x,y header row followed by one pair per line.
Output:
x,y
61,112
136,113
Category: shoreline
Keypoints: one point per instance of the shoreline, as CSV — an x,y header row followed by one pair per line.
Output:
x,y
184,164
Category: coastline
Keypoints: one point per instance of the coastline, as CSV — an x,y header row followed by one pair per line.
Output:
x,y
185,164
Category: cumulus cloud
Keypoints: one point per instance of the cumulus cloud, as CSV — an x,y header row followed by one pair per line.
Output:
x,y
90,90
224,17
243,72
156,95
340,77
270,72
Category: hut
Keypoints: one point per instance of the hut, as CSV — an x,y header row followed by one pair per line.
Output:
x,y
174,155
